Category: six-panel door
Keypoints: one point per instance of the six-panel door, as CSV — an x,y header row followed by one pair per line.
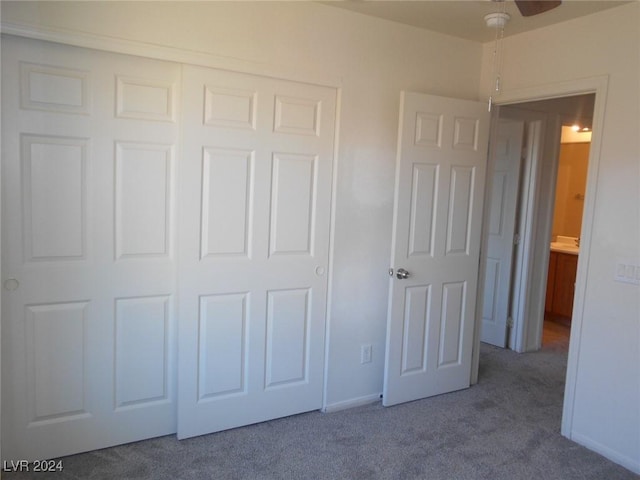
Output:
x,y
436,237
254,247
501,227
90,144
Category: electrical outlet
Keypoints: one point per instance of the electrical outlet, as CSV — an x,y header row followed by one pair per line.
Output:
x,y
365,353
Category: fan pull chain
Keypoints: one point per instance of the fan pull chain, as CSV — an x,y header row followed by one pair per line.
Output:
x,y
498,46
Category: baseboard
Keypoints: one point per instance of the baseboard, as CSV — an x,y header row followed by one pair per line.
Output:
x,y
351,403
629,463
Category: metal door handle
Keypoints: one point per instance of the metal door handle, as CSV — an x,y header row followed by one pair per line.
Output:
x,y
11,284
402,274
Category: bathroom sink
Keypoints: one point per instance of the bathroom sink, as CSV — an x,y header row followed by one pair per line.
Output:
x,y
564,248
565,245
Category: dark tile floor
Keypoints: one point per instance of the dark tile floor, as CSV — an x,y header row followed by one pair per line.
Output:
x,y
555,335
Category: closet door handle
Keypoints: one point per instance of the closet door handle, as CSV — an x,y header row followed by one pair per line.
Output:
x,y
11,284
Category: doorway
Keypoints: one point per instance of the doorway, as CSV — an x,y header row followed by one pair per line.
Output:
x,y
527,333
540,159
557,170
516,300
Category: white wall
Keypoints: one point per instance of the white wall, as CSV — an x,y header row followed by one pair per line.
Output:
x,y
373,60
605,359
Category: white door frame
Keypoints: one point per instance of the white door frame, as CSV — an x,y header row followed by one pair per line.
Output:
x,y
597,85
1,286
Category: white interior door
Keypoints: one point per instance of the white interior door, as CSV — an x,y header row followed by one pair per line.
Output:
x,y
503,203
89,143
254,245
436,238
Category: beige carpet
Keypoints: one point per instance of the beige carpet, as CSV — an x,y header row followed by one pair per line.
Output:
x,y
506,427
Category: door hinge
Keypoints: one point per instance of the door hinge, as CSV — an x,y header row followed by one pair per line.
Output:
x,y
516,238
510,322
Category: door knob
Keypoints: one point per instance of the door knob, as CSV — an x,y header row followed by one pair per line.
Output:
x,y
11,284
402,274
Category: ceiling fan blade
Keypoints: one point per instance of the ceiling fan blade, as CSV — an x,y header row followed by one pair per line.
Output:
x,y
528,8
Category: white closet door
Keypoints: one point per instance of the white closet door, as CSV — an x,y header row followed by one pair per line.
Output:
x,y
254,243
89,144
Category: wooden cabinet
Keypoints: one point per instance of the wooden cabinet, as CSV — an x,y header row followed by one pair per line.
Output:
x,y
560,285
551,282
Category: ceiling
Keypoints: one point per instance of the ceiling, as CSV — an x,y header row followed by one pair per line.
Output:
x,y
465,18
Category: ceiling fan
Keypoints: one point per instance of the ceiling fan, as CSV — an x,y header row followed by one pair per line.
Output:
x,y
529,8
498,20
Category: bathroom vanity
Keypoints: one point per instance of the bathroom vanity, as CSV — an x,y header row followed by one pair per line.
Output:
x,y
563,263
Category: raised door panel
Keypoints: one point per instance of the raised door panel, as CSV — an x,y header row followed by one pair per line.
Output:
x,y
142,374
227,202
451,324
145,99
491,285
230,107
299,116
56,360
288,317
54,89
428,131
466,133
54,184
460,210
416,319
143,199
293,185
222,345
424,194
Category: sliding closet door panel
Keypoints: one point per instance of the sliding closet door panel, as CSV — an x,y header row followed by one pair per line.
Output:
x,y
254,245
90,146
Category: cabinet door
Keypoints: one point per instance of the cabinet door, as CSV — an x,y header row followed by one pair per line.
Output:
x,y
566,266
551,282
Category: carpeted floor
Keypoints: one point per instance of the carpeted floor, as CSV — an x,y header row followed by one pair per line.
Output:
x,y
505,427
